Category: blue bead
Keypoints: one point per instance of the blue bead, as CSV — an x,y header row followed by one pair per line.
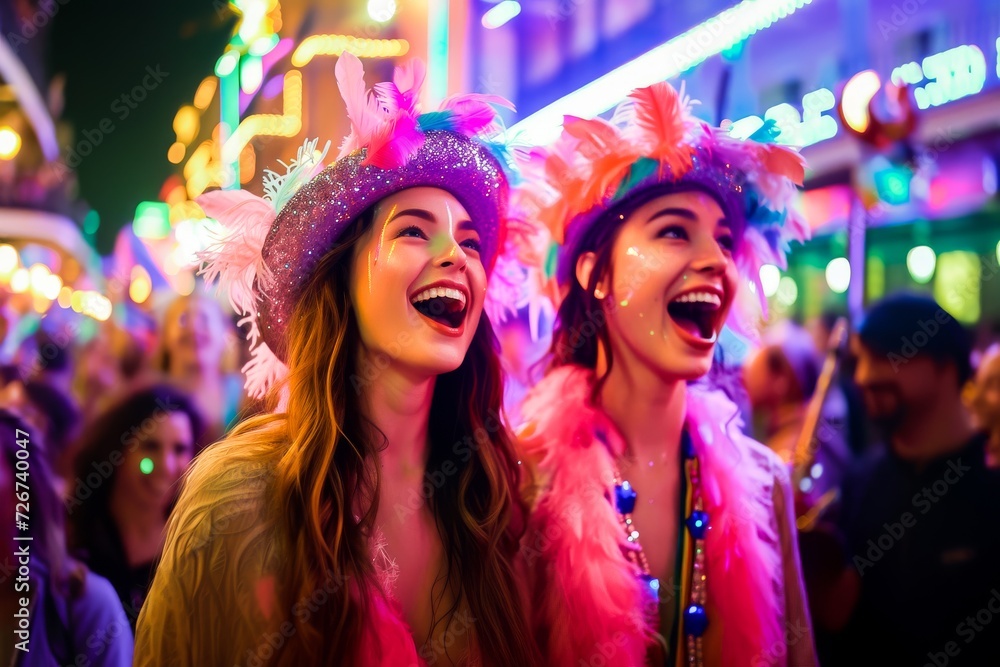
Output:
x,y
697,523
652,584
625,498
687,446
695,620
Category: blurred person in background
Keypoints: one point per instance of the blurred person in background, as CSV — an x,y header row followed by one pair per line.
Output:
x,y
98,372
193,346
921,517
780,379
128,465
52,413
53,363
73,614
985,401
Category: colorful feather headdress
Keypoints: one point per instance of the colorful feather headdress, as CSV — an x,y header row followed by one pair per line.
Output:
x,y
270,246
653,142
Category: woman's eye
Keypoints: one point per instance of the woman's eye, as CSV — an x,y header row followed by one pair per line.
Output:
x,y
673,232
727,243
412,231
471,244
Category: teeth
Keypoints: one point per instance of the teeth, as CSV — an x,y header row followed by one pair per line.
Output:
x,y
436,292
702,297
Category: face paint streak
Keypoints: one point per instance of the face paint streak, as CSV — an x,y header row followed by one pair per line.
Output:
x,y
378,246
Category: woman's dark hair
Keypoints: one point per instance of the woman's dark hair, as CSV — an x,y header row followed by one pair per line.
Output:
x,y
46,527
117,430
61,414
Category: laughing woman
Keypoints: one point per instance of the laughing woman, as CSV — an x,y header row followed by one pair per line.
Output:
x,y
372,519
661,219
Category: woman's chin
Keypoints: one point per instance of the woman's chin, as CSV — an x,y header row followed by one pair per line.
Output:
x,y
685,365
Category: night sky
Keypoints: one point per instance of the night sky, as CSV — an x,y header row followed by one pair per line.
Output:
x,y
129,66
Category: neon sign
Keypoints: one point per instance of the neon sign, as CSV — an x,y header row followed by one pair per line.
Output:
x,y
943,77
949,75
811,126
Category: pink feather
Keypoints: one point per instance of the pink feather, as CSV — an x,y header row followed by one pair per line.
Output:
x,y
403,93
661,122
364,109
393,145
608,154
474,112
234,257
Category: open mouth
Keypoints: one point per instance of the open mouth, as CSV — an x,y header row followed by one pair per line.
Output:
x,y
444,305
697,313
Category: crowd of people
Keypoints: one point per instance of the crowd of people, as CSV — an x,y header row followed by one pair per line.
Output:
x,y
110,432
374,496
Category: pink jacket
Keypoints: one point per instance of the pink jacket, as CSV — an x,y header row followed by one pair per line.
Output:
x,y
587,596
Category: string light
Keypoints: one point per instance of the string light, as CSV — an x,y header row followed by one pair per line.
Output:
x,y
334,45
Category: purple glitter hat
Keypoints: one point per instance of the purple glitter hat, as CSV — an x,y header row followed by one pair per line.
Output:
x,y
270,247
653,145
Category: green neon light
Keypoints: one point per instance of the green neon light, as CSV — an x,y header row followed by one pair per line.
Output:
x,y
437,49
229,106
146,466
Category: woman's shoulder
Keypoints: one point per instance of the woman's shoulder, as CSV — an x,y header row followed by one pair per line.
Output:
x,y
224,501
100,628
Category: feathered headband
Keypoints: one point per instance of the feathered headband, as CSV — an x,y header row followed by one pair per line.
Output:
x,y
653,142
270,246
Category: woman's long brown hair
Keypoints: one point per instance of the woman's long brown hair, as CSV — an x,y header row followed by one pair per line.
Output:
x,y
327,482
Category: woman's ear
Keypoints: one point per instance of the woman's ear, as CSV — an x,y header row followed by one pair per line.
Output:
x,y
584,268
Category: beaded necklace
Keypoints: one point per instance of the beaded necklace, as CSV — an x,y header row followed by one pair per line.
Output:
x,y
694,620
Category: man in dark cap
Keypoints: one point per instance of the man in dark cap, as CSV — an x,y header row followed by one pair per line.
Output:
x,y
921,518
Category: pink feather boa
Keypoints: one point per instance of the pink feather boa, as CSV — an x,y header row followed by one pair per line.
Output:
x,y
587,597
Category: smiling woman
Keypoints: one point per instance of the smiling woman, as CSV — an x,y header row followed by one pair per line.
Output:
x,y
663,219
296,540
